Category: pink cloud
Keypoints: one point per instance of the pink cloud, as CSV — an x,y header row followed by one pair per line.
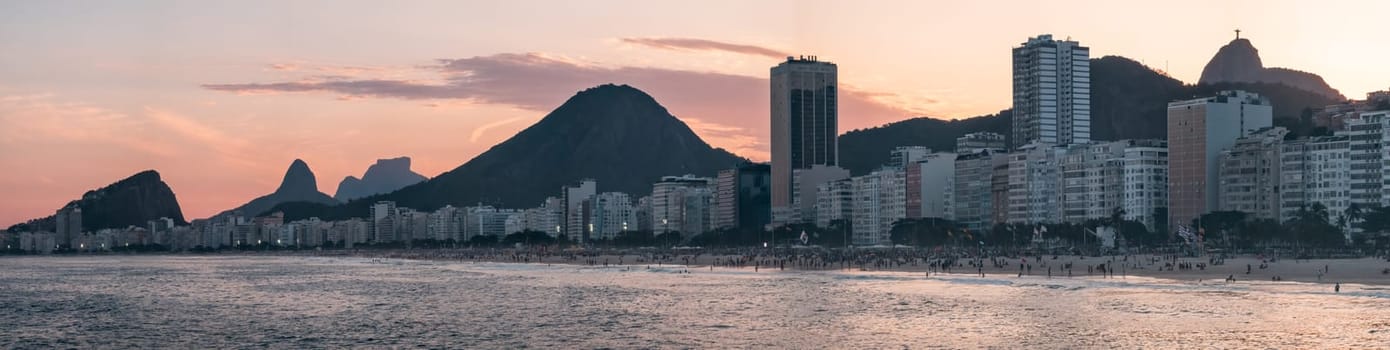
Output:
x,y
690,44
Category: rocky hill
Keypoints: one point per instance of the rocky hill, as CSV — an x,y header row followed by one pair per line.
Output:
x,y
385,176
298,185
129,202
615,134
1239,62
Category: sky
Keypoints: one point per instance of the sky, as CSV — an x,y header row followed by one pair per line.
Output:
x,y
221,96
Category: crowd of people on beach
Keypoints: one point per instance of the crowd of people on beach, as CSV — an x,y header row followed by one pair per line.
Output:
x,y
947,261
979,262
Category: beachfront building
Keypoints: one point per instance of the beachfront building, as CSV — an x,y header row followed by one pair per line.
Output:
x,y
1198,131
879,201
805,192
682,204
613,213
1315,170
928,182
486,220
1034,181
1145,189
742,197
446,223
972,205
1249,174
805,121
578,200
1367,133
835,202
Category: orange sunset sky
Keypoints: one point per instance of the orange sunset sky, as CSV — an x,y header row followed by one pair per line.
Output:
x,y
220,96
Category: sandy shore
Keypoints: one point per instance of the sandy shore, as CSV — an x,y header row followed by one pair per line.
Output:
x,y
1369,271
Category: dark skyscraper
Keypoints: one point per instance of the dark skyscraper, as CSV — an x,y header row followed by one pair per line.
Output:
x,y
805,121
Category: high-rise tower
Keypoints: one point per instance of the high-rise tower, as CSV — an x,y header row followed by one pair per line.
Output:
x,y
805,121
1052,92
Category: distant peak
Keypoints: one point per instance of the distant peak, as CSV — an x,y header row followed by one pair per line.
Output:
x,y
298,178
398,162
146,175
611,89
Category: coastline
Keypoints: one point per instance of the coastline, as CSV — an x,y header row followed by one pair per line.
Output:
x,y
1368,271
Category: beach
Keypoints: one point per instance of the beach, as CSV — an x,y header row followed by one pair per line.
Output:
x,y
1205,270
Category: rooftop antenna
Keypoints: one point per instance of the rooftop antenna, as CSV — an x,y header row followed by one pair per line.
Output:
x,y
1237,33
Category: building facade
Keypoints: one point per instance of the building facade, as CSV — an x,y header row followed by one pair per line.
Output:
x,y
805,120
1051,92
1250,179
879,201
1198,131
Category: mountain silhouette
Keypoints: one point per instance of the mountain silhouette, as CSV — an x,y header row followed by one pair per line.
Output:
x,y
1128,101
299,185
385,176
615,134
1239,62
129,202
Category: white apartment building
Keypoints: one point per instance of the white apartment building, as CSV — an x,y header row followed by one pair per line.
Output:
x,y
1249,174
880,199
1367,133
682,204
834,201
613,213
1034,190
929,180
805,184
1315,170
1051,92
971,204
1145,187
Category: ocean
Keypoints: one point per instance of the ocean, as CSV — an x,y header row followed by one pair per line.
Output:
x,y
319,302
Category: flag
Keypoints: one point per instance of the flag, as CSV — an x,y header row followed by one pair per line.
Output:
x,y
804,238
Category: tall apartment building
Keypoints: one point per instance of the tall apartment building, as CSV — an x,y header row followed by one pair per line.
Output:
x,y
1315,170
613,213
972,206
805,121
1127,175
929,180
1034,184
1090,181
835,201
999,189
804,193
879,201
1051,92
578,205
383,222
486,221
1198,130
68,221
446,224
1145,187
681,204
1250,174
1367,133
742,197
